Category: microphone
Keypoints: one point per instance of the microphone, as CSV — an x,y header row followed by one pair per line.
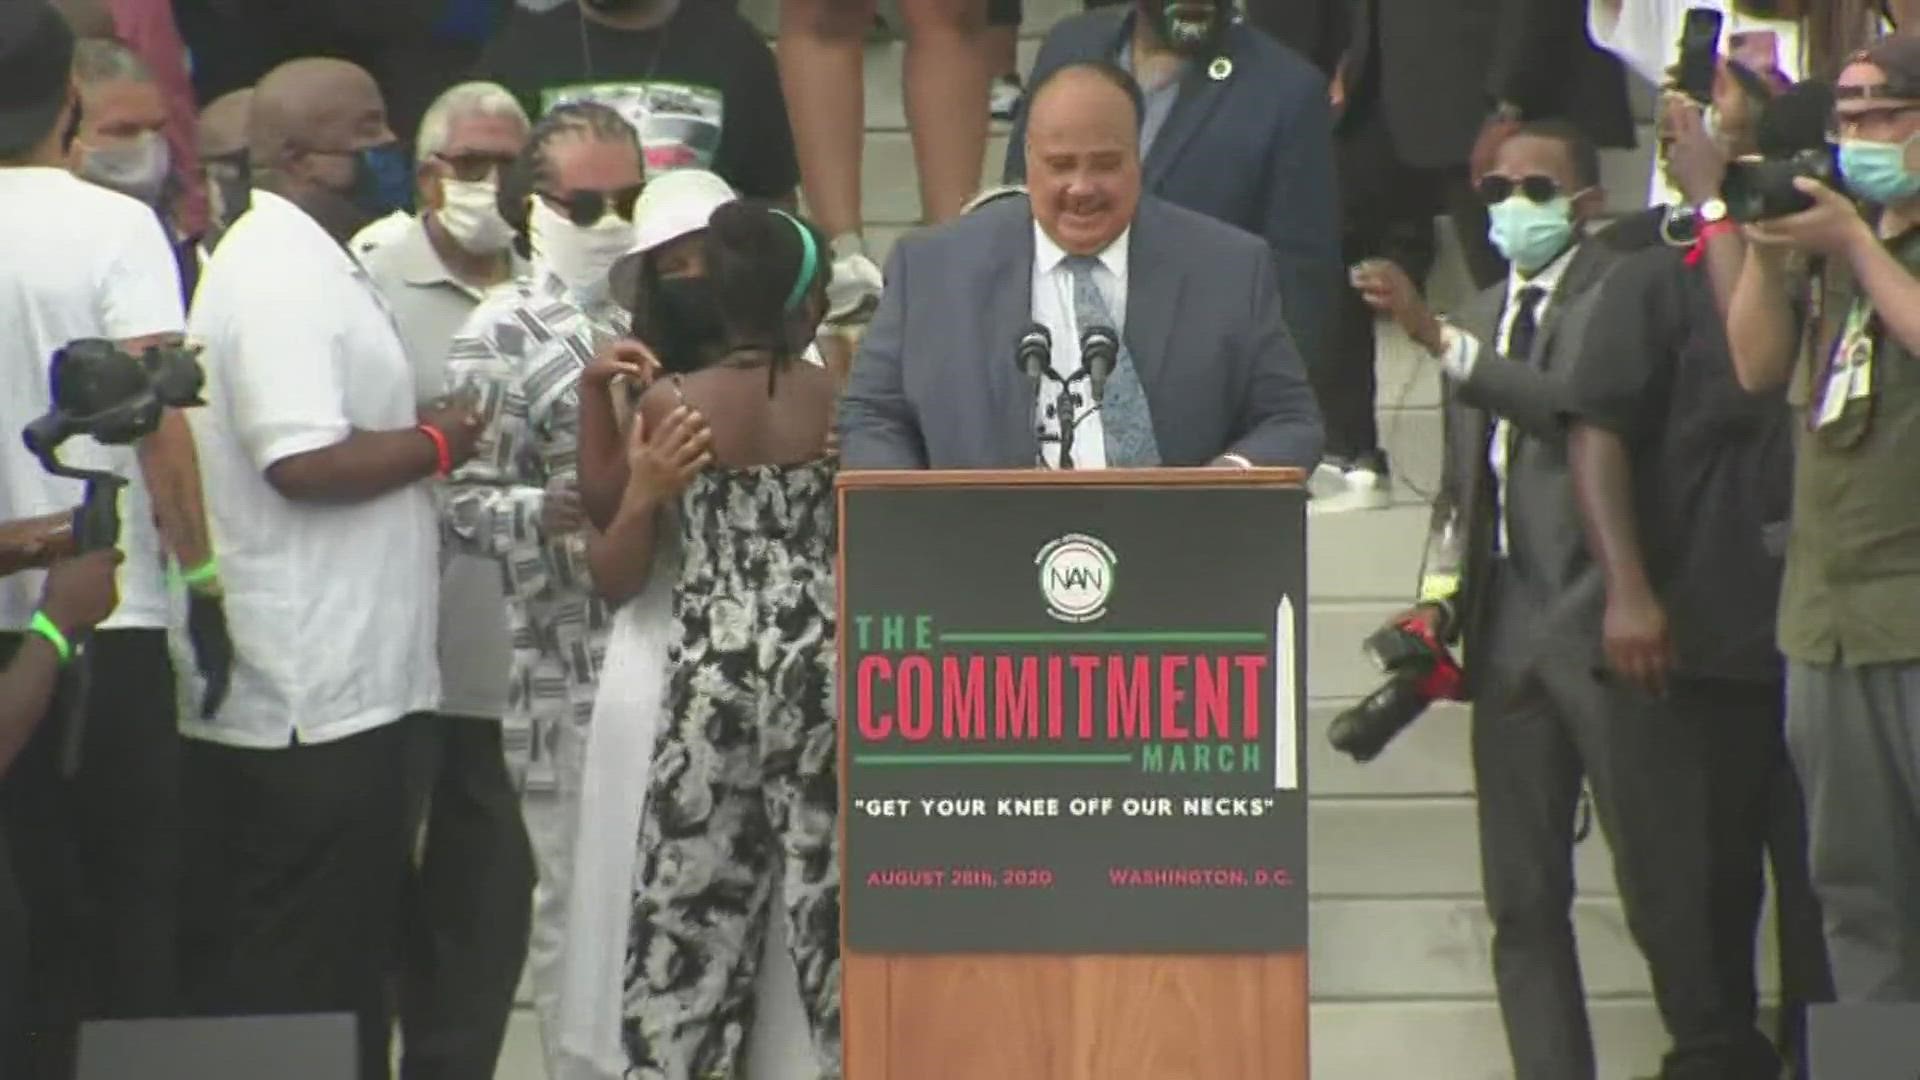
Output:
x,y
1099,347
1034,354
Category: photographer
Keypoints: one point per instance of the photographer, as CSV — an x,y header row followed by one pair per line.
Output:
x,y
97,852
1683,486
1828,306
78,594
1525,598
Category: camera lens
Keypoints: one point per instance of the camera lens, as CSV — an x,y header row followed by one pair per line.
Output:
x,y
1364,730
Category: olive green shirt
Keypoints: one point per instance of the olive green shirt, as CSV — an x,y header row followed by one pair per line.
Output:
x,y
1852,589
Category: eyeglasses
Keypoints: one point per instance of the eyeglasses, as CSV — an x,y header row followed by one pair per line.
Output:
x,y
1844,124
476,166
585,208
1498,189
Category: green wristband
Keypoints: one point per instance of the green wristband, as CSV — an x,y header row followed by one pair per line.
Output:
x,y
43,626
204,573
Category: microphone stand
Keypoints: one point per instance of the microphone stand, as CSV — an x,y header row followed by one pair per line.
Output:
x,y
1066,409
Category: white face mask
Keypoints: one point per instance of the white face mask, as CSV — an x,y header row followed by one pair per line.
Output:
x,y
470,213
137,167
580,257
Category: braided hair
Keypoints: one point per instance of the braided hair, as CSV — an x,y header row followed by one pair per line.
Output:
x,y
756,258
533,169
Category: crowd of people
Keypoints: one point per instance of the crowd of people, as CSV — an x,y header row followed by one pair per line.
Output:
x,y
477,614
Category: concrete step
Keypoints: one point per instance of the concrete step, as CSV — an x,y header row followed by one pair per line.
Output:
x,y
1464,1040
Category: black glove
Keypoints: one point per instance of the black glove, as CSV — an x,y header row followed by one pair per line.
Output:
x,y
212,649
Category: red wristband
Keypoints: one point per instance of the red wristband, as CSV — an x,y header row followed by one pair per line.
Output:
x,y
1707,232
440,447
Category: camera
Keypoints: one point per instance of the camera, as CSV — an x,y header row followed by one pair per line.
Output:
x,y
1759,188
103,391
100,390
1420,671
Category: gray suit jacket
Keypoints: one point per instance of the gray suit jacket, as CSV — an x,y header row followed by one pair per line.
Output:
x,y
936,384
1564,591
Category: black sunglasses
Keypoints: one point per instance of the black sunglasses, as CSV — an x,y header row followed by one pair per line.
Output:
x,y
585,208
476,166
1498,189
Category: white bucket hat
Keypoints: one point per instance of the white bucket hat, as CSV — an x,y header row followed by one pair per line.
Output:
x,y
672,205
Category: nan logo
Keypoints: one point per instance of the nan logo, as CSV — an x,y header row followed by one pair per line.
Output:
x,y
1076,577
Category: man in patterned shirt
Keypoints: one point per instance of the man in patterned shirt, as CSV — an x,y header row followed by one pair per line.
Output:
x,y
570,198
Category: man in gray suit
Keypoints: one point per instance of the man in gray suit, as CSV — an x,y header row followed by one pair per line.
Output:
x,y
1514,580
1205,372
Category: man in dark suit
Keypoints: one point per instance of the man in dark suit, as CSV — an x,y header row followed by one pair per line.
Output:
x,y
1424,86
1206,372
1527,599
1236,127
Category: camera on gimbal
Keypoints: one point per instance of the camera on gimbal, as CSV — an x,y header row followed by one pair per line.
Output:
x,y
1420,671
102,391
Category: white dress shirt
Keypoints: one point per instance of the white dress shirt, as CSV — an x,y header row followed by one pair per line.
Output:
x,y
331,605
1053,309
1463,352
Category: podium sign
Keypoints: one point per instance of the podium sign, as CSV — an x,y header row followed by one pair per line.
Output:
x,y
1072,718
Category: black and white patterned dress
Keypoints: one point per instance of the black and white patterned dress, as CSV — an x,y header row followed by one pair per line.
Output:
x,y
743,784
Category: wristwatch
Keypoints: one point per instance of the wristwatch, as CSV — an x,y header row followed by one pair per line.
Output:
x,y
1711,211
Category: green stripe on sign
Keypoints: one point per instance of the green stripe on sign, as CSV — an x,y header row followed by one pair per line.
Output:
x,y
893,760
1106,637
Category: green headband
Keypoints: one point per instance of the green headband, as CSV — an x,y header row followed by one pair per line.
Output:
x,y
809,261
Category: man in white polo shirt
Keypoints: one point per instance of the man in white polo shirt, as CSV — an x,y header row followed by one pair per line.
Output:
x,y
317,470
98,853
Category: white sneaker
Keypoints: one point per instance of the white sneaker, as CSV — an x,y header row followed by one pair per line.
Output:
x,y
1339,486
854,292
1003,97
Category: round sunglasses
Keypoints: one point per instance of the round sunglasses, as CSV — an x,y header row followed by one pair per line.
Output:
x,y
585,208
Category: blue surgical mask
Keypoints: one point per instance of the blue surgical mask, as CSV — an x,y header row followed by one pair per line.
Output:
x,y
1877,171
382,180
1531,234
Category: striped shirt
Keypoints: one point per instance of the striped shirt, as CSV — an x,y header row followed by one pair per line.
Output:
x,y
520,356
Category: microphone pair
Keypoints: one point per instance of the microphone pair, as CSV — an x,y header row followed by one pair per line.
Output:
x,y
1099,351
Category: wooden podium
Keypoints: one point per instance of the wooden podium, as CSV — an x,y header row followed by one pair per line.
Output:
x,y
1073,840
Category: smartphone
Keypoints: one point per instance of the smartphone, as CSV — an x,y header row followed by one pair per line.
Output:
x,y
1699,53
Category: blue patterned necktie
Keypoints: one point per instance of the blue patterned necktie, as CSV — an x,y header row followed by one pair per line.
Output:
x,y
1125,418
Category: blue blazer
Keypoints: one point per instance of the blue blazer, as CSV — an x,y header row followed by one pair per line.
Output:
x,y
1254,150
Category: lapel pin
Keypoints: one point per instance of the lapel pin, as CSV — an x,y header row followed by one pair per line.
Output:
x,y
1220,68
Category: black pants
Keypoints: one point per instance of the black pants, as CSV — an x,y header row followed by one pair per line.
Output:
x,y
1388,209
296,859
97,857
1538,734
469,900
13,969
1757,817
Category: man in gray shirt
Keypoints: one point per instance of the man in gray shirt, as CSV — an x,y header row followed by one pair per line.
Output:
x,y
470,893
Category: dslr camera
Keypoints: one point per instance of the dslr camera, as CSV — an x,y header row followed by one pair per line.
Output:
x,y
1420,671
1757,188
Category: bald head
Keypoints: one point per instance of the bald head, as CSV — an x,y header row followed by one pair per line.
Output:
x,y
223,124
314,104
1078,91
1083,155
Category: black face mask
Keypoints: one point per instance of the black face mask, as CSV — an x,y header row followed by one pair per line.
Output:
x,y
685,324
1191,37
614,7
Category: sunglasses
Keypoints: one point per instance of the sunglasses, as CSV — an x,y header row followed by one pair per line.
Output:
x,y
1494,190
586,208
476,166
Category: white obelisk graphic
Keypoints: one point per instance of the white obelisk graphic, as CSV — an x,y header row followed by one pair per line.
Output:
x,y
1286,715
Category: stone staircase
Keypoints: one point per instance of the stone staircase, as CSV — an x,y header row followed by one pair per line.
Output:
x,y
1401,967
